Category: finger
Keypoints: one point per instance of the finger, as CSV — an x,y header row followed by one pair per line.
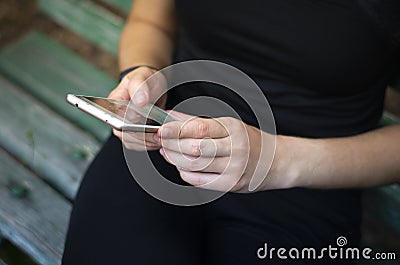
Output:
x,y
202,128
120,92
190,163
199,147
197,178
210,181
157,83
140,138
196,127
146,86
136,142
170,130
137,136
137,84
139,147
117,133
138,91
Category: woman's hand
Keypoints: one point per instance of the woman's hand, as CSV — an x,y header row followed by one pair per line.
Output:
x,y
137,86
226,154
220,154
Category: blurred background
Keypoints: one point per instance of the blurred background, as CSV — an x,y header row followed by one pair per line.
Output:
x,y
49,48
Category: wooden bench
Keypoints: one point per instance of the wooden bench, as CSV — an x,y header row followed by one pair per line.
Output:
x,y
88,19
46,145
43,151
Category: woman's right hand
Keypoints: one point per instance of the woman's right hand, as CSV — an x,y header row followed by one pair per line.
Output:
x,y
137,87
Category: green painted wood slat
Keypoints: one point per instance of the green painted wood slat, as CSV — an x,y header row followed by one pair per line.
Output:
x,y
50,71
123,5
389,119
55,149
87,19
36,222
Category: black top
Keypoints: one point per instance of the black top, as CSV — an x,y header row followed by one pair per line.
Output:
x,y
323,65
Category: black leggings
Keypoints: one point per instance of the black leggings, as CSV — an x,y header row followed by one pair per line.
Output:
x,y
115,222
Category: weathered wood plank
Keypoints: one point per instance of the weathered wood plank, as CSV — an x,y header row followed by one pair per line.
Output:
x,y
123,5
55,149
49,71
384,203
87,19
389,119
35,222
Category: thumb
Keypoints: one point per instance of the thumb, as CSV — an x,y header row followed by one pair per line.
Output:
x,y
139,93
120,92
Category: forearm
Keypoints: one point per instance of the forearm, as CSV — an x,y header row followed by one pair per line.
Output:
x,y
365,160
148,36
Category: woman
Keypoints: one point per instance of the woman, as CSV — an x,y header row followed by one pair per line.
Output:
x,y
324,67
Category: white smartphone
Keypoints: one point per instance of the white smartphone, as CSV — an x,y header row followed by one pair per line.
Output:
x,y
122,114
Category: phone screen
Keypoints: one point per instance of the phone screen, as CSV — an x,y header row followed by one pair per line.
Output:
x,y
121,109
126,111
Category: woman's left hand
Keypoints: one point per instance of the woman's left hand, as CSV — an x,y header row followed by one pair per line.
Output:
x,y
220,154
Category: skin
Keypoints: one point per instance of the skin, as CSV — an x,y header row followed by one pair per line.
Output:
x,y
202,149
153,23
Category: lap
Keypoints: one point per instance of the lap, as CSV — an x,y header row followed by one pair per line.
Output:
x,y
115,222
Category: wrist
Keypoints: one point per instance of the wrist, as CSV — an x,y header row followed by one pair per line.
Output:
x,y
305,162
291,161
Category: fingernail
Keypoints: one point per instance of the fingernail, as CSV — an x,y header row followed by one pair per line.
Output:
x,y
157,138
139,97
162,152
